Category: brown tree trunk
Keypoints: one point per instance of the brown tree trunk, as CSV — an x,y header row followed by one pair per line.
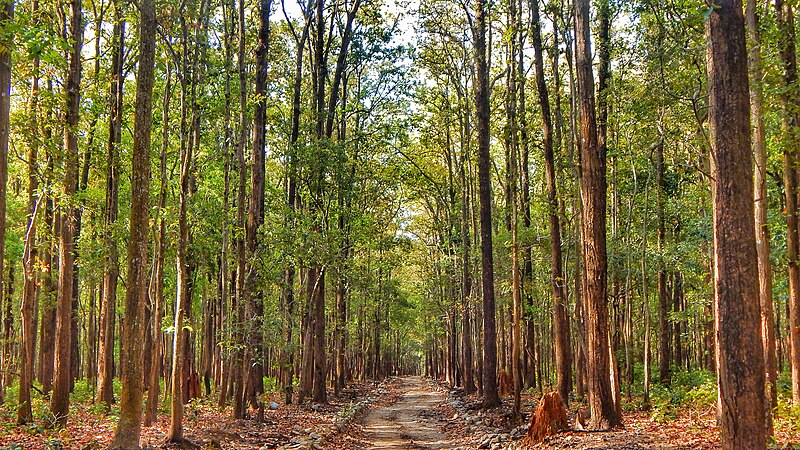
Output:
x,y
490,396
759,146
130,419
663,298
291,201
789,127
8,331
239,361
7,14
48,322
563,350
59,401
466,276
157,280
180,357
646,308
255,216
740,355
223,362
593,192
28,309
108,305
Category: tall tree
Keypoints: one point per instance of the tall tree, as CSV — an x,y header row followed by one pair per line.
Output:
x,y
759,146
482,107
30,256
740,356
7,14
240,360
108,304
663,296
255,213
562,333
157,281
130,421
291,198
59,401
602,408
180,358
789,130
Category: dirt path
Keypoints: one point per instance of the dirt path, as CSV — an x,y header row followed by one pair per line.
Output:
x,y
411,422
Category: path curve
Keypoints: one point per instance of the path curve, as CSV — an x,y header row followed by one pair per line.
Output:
x,y
409,423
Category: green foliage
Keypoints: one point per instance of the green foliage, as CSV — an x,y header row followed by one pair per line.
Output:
x,y
695,389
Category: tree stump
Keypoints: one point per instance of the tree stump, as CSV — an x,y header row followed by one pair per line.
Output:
x,y
549,419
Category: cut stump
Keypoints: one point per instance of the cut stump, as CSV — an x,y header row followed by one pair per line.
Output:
x,y
550,418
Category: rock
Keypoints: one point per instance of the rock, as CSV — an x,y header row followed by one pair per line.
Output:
x,y
273,406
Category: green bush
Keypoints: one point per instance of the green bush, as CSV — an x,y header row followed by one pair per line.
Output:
x,y
695,389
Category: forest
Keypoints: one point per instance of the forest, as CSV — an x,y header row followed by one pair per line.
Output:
x,y
301,223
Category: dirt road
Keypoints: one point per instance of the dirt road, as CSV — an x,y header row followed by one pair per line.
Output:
x,y
410,423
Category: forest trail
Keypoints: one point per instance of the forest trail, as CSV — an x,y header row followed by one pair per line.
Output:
x,y
410,422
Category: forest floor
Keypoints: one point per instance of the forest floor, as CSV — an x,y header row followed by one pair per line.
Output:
x,y
400,413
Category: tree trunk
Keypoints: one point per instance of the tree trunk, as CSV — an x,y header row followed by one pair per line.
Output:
x,y
255,214
291,201
466,276
47,338
663,298
789,130
108,308
239,361
59,401
563,350
7,14
740,355
180,356
130,421
157,280
28,309
759,146
593,192
490,396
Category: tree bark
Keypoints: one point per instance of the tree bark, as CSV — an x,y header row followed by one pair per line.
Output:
x,y
740,356
593,193
789,130
7,14
59,401
490,395
563,350
663,297
239,360
255,214
28,308
130,420
180,357
108,308
157,280
291,202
